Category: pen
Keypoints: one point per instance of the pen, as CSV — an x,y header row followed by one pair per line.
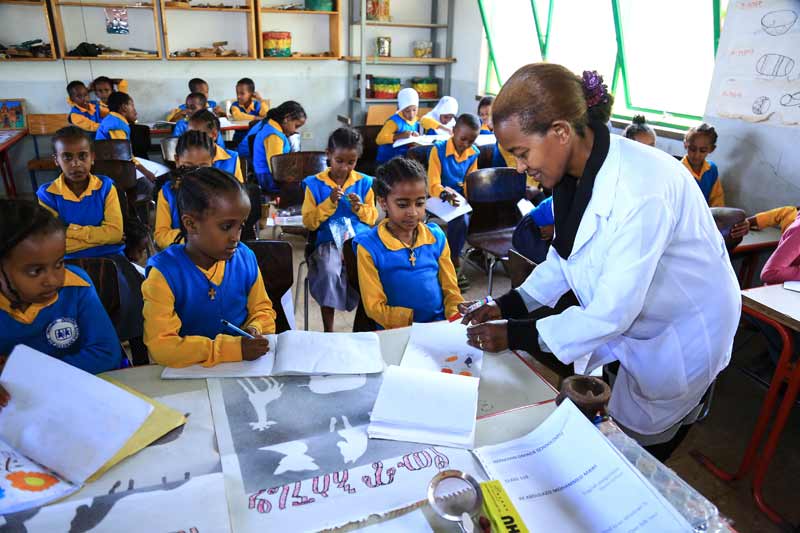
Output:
x,y
471,308
226,324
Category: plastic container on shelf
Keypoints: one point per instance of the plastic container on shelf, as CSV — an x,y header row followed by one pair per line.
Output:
x,y
277,43
319,5
385,87
423,49
426,87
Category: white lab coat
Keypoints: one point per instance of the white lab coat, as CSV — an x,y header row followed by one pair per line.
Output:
x,y
656,288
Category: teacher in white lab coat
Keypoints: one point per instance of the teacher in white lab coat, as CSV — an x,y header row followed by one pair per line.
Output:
x,y
636,244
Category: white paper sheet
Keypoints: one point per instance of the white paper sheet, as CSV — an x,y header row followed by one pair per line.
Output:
x,y
442,347
156,168
422,140
297,352
792,285
447,211
428,407
486,138
414,521
566,476
525,206
64,418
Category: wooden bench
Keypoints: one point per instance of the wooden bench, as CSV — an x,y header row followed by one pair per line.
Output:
x,y
43,125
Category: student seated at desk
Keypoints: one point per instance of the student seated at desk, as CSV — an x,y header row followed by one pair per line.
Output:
x,y
102,87
442,118
196,85
700,141
248,105
273,139
84,113
194,149
45,304
191,287
335,194
485,114
449,164
195,102
402,125
404,269
782,217
640,131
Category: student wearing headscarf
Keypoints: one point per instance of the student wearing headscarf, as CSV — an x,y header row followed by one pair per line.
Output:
x,y
401,125
442,118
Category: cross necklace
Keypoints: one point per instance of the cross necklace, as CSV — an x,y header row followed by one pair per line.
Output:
x,y
412,258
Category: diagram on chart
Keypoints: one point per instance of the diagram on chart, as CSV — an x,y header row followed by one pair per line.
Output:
x,y
295,458
761,105
791,100
775,65
777,23
261,398
331,384
355,440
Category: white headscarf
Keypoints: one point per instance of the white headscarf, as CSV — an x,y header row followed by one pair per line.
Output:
x,y
407,97
447,105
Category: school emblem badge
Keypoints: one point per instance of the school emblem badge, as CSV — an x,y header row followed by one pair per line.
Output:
x,y
62,332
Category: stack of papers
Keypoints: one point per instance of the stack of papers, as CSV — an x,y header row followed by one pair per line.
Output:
x,y
299,353
445,210
64,426
416,405
442,347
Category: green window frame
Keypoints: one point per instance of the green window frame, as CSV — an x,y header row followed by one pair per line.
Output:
x,y
659,117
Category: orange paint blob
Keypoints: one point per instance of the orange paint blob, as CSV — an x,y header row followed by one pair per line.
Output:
x,y
465,373
447,370
451,359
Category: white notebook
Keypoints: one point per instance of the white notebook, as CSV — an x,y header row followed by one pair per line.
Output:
x,y
299,353
416,405
442,347
447,211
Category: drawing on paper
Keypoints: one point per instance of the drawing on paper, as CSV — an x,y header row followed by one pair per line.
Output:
x,y
775,65
761,105
778,22
317,426
791,100
260,399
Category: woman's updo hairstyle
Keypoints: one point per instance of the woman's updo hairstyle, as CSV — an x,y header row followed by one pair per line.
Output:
x,y
542,93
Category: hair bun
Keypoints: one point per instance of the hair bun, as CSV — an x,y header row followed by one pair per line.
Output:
x,y
639,119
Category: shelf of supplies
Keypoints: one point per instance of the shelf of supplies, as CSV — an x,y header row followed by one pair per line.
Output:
x,y
300,58
375,60
297,11
389,100
21,2
107,4
212,8
215,58
403,25
16,59
113,58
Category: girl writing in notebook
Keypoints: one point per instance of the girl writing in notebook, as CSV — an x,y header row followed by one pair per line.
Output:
x,y
45,304
334,195
404,269
190,288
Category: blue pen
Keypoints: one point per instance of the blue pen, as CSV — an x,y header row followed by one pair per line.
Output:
x,y
238,331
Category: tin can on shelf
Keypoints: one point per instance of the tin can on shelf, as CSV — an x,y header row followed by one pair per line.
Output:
x,y
367,86
383,46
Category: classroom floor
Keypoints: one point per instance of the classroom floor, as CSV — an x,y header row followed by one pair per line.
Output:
x,y
723,435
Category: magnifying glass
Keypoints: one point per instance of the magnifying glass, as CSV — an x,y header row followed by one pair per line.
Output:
x,y
456,497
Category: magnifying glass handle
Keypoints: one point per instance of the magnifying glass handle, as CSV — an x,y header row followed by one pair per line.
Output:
x,y
466,524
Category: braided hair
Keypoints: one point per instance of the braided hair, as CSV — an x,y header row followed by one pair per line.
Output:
x,y
196,139
289,110
20,219
195,188
638,125
208,119
347,139
398,170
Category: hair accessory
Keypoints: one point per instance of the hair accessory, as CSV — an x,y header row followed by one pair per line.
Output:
x,y
594,90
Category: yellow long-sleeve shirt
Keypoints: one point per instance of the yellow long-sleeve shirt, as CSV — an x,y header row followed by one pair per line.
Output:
x,y
122,87
162,324
163,233
315,214
84,122
373,296
780,216
435,186
249,113
222,155
82,237
386,135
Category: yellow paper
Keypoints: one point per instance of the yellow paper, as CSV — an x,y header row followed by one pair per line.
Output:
x,y
161,421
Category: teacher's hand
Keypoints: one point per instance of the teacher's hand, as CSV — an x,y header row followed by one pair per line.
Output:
x,y
489,336
484,313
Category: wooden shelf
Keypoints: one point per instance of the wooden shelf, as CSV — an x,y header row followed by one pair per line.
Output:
x,y
403,25
21,2
223,9
114,58
375,60
229,58
300,58
106,4
297,11
49,38
249,27
17,59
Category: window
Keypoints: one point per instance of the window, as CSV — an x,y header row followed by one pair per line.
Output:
x,y
657,56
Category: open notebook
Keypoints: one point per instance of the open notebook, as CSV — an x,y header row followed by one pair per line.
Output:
x,y
64,427
442,347
299,353
417,405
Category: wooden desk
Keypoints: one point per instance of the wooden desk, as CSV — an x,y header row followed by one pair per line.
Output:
x,y
753,245
780,308
7,140
234,126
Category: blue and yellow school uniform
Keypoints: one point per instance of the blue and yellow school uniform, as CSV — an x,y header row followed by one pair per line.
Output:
x,y
270,141
542,214
485,130
709,182
86,118
93,219
319,211
72,326
243,148
122,87
385,139
168,220
184,306
183,125
228,160
397,290
210,104
114,126
430,125
255,110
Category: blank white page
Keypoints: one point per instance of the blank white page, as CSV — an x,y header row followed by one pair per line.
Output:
x,y
64,418
315,353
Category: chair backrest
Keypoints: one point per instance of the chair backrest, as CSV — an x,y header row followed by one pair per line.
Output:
x,y
168,148
113,150
140,140
519,268
290,169
725,218
103,273
486,156
366,163
420,154
377,114
46,124
493,194
275,263
124,175
361,321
